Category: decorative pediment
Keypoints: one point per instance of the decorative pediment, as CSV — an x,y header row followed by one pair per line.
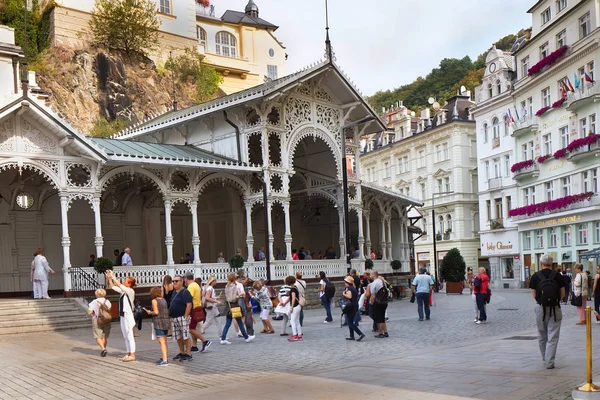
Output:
x,y
421,179
440,173
402,183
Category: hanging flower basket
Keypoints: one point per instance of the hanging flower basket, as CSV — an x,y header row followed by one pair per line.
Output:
x,y
542,110
547,61
516,167
582,142
562,153
558,103
543,159
551,205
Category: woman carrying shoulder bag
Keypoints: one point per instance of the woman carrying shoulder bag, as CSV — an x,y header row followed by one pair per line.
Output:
x,y
211,301
233,310
160,322
580,292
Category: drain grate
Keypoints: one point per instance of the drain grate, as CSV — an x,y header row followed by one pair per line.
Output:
x,y
507,309
521,338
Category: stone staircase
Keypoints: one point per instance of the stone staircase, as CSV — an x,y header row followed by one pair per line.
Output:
x,y
30,316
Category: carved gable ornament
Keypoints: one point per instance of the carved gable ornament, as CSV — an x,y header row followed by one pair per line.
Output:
x,y
440,173
34,141
7,135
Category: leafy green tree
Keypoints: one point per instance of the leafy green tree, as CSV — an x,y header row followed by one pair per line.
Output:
x,y
14,14
453,266
190,66
126,25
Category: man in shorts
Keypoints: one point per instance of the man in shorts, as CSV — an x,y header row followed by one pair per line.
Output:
x,y
197,315
179,311
378,308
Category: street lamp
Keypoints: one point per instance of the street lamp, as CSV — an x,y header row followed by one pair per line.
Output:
x,y
435,258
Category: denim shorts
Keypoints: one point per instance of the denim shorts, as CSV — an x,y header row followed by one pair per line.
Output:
x,y
161,332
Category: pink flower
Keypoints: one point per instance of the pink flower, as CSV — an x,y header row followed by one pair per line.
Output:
x,y
542,159
551,205
541,111
558,102
520,165
560,154
547,61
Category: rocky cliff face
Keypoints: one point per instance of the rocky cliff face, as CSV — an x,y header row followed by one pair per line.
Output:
x,y
91,85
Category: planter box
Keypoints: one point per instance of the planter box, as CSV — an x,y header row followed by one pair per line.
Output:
x,y
454,287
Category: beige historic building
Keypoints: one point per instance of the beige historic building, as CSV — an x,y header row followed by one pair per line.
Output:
x,y
241,46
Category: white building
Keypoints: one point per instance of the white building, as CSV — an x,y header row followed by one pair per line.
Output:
x,y
557,209
495,156
426,156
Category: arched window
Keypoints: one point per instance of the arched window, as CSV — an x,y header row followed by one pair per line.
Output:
x,y
485,133
225,44
498,87
425,225
201,36
490,92
496,127
441,222
449,222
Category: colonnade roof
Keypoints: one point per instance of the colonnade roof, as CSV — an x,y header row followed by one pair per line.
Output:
x,y
379,191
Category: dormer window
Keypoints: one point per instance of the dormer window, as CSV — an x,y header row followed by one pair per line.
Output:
x,y
546,15
225,44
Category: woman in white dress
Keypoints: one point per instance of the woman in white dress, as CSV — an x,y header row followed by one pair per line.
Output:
x,y
39,274
126,302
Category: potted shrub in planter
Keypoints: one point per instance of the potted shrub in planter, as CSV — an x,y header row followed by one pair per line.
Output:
x,y
396,265
236,262
368,264
453,271
101,265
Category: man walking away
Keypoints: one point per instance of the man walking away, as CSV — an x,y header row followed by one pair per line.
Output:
x,y
480,284
378,301
421,287
197,314
547,288
567,281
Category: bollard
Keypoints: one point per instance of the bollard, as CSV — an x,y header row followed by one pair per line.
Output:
x,y
588,386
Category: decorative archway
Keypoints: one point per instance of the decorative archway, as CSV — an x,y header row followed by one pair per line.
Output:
x,y
132,171
48,169
304,132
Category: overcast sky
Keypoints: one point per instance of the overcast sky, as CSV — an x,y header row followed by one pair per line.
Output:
x,y
383,44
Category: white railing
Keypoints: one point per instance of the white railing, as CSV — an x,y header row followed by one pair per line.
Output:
x,y
522,124
586,90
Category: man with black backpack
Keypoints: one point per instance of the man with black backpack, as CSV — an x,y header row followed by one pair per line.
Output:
x,y
547,288
378,296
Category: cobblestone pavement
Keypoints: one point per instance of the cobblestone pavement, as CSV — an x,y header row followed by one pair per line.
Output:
x,y
449,355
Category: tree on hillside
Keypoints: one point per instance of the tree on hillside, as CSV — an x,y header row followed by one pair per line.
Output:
x,y
126,25
471,80
190,66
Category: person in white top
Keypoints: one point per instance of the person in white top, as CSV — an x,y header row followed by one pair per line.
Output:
x,y
126,259
39,274
101,332
126,302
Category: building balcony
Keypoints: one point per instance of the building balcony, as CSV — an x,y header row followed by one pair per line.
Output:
x,y
586,94
592,201
525,125
531,171
584,152
494,183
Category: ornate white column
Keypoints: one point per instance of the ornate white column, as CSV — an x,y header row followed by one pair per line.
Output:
x,y
361,239
168,233
249,234
383,241
342,240
367,214
288,231
271,236
65,241
195,234
98,239
389,238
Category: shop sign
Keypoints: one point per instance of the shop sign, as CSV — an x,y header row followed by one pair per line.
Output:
x,y
556,221
503,244
442,254
423,257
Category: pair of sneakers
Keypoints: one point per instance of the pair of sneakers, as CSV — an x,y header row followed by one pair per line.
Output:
x,y
162,363
295,338
250,338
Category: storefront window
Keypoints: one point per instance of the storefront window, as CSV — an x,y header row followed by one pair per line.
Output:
x,y
567,235
508,268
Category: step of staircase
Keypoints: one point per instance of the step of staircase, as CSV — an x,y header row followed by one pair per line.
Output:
x,y
30,316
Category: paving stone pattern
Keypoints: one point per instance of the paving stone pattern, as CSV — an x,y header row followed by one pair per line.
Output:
x,y
448,355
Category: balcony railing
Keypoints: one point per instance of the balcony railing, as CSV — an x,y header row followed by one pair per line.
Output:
x,y
205,11
525,124
584,151
593,201
526,172
494,183
587,93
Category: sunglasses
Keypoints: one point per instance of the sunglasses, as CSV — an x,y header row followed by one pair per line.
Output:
x,y
176,280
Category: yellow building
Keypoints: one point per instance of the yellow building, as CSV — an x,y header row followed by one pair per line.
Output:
x,y
240,45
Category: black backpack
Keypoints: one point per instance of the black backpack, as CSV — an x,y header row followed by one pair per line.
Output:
x,y
382,295
548,292
329,289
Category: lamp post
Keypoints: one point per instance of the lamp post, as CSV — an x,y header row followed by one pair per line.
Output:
x,y
262,180
435,258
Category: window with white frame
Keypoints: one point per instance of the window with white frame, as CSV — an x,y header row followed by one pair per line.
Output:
x,y
423,191
561,5
561,39
507,165
449,223
422,160
438,153
441,223
272,72
488,209
565,137
531,149
553,237
498,87
508,203
592,124
447,185
164,6
201,36
485,133
487,170
566,186
582,233
584,25
526,196
527,241
590,69
566,235
386,167
523,109
446,153
225,44
546,101
597,232
547,139
440,185
407,191
496,168
546,15
544,50
549,190
525,152
496,128
586,181
524,66
539,239
583,127
533,195
406,164
530,105
490,90
401,131
595,181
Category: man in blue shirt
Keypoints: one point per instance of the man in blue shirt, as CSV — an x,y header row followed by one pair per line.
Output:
x,y
421,286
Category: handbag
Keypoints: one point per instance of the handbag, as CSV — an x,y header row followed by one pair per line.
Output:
x,y
236,312
344,303
302,301
283,309
577,301
413,298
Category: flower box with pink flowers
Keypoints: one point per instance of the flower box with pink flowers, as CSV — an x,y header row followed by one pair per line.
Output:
x,y
550,205
516,167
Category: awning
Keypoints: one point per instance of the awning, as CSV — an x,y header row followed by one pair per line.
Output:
x,y
590,254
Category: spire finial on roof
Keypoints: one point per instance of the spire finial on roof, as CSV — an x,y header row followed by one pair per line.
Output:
x,y
251,9
329,55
